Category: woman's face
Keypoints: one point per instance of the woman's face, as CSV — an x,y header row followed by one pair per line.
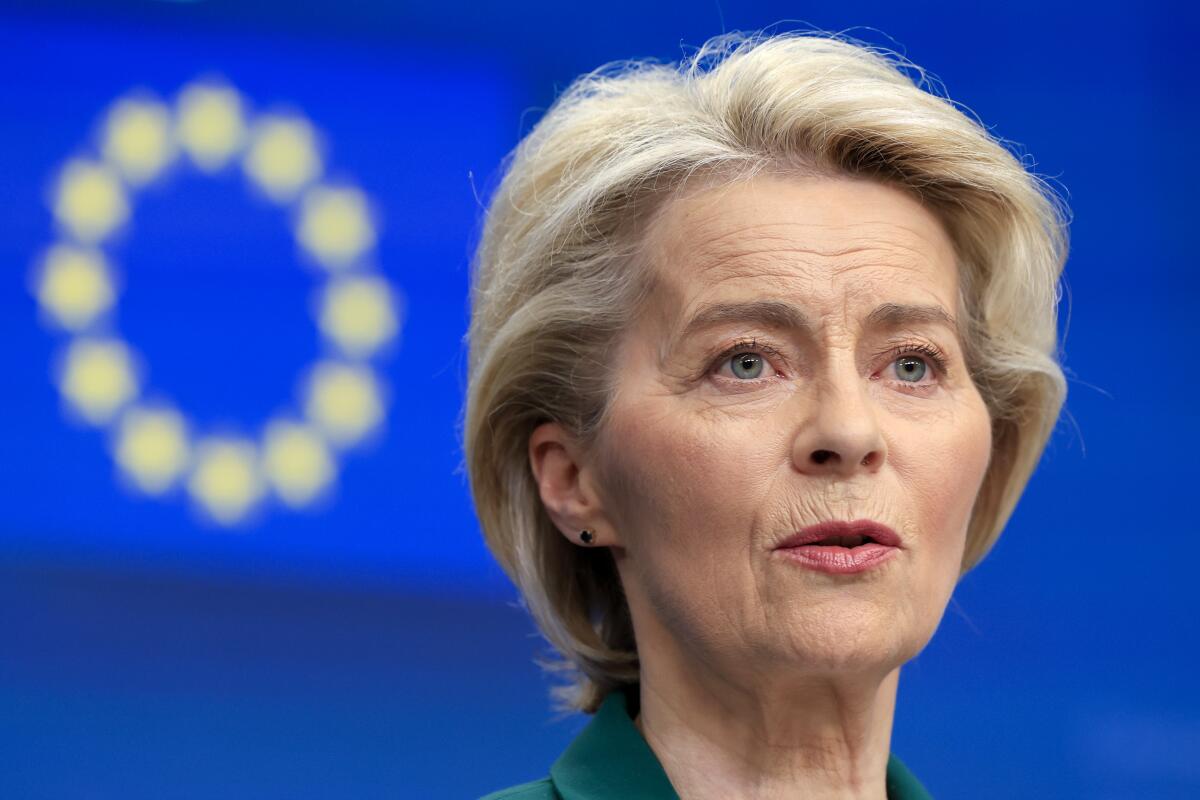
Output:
x,y
757,395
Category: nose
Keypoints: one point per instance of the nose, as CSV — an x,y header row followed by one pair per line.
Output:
x,y
840,435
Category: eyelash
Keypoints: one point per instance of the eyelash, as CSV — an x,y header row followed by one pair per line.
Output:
x,y
930,351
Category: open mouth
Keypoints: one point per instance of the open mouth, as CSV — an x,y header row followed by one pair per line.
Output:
x,y
842,552
864,533
842,547
850,541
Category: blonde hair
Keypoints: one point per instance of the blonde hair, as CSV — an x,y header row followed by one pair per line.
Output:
x,y
556,279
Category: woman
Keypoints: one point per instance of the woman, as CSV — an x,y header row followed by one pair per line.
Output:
x,y
762,354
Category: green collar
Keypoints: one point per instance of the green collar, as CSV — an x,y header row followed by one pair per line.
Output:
x,y
610,759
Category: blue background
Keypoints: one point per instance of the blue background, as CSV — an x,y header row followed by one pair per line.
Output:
x,y
373,649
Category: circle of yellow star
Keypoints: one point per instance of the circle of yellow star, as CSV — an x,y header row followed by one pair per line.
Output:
x,y
227,477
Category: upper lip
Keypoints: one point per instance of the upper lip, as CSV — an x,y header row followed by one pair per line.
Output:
x,y
862,527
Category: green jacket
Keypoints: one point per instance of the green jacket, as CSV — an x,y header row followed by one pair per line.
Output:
x,y
610,760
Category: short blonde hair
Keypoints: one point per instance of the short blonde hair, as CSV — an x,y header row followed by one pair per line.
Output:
x,y
556,279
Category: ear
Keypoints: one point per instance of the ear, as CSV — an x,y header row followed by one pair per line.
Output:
x,y
566,484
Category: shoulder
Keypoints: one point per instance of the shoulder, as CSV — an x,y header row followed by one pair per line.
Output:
x,y
534,790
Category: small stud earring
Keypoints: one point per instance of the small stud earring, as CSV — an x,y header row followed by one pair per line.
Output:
x,y
586,536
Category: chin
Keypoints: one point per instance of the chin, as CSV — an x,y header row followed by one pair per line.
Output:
x,y
848,643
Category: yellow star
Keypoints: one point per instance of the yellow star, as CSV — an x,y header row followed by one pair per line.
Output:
x,y
283,157
137,139
98,378
297,462
335,226
89,200
225,480
357,314
152,448
73,286
210,127
344,401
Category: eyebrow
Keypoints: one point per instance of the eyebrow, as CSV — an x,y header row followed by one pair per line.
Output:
x,y
780,315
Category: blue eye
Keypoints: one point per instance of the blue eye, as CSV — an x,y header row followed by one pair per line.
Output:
x,y
909,368
747,365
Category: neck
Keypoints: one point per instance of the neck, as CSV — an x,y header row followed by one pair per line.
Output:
x,y
755,738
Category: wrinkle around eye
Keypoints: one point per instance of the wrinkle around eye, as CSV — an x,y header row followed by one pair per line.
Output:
x,y
725,368
932,385
720,380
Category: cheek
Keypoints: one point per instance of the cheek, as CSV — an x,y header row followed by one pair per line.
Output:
x,y
656,472
687,493
941,467
684,487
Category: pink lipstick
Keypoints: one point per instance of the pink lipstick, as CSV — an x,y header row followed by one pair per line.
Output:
x,y
842,548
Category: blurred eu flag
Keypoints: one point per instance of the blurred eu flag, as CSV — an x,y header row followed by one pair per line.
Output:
x,y
246,280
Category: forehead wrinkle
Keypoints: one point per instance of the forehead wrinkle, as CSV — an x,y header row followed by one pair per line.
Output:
x,y
770,313
780,262
726,250
784,315
780,314
895,316
706,241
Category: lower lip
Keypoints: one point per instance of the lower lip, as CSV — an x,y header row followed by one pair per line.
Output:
x,y
840,560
